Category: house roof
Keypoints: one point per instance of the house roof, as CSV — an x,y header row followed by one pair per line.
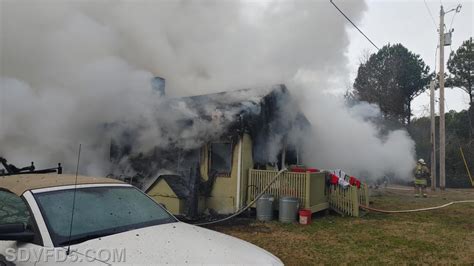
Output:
x,y
176,183
241,99
186,123
19,184
255,107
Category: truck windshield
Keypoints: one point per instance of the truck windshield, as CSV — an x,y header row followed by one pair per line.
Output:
x,y
98,211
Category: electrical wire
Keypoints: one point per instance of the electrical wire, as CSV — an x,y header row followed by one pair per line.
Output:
x,y
454,15
452,21
431,15
340,11
451,29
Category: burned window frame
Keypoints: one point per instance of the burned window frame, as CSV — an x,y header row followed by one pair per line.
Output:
x,y
184,155
230,156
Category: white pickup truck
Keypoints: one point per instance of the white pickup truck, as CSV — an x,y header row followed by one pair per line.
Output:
x,y
112,223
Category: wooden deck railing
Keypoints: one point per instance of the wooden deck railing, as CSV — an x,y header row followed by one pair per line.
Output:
x,y
364,194
288,184
344,200
348,200
310,189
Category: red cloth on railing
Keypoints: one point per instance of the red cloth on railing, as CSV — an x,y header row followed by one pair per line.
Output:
x,y
334,179
354,182
298,169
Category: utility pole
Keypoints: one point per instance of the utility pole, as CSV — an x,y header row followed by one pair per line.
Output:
x,y
442,125
433,135
442,137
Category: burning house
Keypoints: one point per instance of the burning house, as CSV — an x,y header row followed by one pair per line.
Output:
x,y
210,145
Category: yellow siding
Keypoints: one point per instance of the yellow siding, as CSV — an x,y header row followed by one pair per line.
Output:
x,y
172,204
317,189
224,192
247,163
161,192
161,188
226,186
205,162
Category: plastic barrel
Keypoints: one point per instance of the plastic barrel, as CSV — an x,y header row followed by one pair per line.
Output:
x,y
288,209
265,207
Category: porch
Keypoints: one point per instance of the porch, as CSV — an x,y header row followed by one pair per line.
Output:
x,y
310,189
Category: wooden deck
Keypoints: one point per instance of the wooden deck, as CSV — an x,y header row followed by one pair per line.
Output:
x,y
310,189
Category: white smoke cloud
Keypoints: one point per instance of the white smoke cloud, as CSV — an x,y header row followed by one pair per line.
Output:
x,y
67,68
348,138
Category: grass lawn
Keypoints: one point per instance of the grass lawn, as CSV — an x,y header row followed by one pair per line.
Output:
x,y
433,237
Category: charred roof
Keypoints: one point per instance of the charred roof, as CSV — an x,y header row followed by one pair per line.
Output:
x,y
247,108
268,115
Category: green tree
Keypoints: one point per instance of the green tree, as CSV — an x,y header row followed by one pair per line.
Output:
x,y
457,136
461,66
392,78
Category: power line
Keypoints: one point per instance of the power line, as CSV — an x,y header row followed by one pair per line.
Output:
x,y
353,24
451,29
452,20
431,15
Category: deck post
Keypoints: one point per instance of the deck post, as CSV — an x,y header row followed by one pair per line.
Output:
x,y
355,200
308,190
250,186
366,191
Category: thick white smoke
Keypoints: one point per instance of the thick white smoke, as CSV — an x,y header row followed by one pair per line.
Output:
x,y
67,69
349,138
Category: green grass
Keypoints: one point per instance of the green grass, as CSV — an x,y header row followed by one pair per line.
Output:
x,y
439,236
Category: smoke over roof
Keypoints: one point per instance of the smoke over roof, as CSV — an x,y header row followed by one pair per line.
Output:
x,y
69,68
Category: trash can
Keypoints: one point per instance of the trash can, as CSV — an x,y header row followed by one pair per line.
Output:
x,y
288,209
265,207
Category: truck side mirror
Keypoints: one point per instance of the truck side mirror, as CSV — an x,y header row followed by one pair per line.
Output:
x,y
16,232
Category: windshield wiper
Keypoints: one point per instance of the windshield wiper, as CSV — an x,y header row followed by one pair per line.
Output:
x,y
85,238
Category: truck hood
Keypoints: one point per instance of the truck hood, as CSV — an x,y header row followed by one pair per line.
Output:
x,y
178,243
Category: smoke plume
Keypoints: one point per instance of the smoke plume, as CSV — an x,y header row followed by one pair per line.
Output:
x,y
69,69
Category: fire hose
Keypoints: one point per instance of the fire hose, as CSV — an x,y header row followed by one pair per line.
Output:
x,y
361,206
248,205
417,210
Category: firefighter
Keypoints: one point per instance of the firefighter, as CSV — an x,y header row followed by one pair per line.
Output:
x,y
421,173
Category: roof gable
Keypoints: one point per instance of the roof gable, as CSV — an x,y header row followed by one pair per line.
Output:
x,y
175,182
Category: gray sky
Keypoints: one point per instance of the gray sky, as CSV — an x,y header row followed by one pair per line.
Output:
x,y
409,23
